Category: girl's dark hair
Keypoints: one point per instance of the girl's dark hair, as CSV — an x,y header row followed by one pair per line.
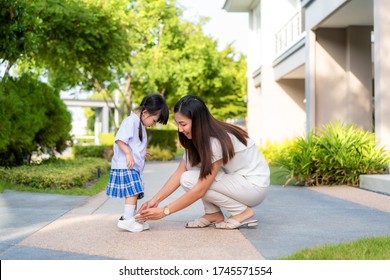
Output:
x,y
205,126
155,104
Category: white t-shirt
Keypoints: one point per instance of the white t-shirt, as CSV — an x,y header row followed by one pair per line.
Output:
x,y
128,133
247,161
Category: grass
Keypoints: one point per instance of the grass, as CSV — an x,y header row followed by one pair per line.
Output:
x,y
94,189
376,248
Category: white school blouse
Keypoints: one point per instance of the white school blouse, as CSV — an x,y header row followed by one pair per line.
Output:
x,y
128,133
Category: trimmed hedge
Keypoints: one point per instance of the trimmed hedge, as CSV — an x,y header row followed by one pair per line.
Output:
x,y
164,139
162,145
56,174
92,151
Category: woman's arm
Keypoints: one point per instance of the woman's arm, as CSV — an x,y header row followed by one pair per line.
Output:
x,y
172,184
197,192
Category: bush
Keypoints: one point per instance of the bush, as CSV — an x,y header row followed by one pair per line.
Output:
x,y
162,138
274,150
92,151
160,154
297,160
32,116
162,146
106,139
336,155
56,174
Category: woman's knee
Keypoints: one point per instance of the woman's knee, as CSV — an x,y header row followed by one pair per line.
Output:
x,y
188,179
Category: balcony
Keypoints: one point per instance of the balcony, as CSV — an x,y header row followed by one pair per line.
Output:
x,y
289,34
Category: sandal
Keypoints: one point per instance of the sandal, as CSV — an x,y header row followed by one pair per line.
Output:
x,y
199,223
234,224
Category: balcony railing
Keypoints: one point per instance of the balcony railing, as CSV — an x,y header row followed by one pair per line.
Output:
x,y
288,34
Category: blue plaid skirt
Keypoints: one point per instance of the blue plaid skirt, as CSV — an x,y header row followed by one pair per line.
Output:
x,y
124,183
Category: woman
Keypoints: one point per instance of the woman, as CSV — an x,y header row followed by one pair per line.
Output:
x,y
221,165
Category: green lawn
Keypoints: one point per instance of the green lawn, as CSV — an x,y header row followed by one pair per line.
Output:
x,y
376,248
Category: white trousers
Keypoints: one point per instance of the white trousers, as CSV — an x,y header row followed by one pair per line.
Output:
x,y
231,192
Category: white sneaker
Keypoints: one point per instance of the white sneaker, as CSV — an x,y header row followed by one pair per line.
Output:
x,y
130,225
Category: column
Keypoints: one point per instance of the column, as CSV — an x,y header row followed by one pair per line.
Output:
x,y
382,71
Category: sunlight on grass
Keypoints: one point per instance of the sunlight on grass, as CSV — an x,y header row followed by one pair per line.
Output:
x,y
377,248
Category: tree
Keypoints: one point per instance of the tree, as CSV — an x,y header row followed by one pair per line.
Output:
x,y
15,29
71,42
130,47
179,59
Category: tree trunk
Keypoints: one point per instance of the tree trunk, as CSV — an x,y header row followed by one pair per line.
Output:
x,y
6,73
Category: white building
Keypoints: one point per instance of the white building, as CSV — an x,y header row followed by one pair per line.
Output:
x,y
315,61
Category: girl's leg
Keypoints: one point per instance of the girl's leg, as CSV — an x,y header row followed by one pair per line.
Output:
x,y
128,222
130,206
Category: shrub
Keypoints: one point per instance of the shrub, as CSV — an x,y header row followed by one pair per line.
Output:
x,y
346,152
274,150
106,139
163,138
37,115
158,153
336,154
297,160
92,151
161,148
56,174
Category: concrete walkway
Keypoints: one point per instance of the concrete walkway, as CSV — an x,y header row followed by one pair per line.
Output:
x,y
57,227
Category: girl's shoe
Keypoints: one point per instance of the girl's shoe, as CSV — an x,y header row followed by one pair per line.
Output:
x,y
130,225
145,226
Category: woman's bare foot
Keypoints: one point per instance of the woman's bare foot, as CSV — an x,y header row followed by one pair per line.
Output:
x,y
214,217
247,214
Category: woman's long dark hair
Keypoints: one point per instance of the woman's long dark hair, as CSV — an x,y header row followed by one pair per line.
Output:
x,y
205,126
155,104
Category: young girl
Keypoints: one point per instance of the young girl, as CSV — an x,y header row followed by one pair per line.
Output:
x,y
221,166
129,157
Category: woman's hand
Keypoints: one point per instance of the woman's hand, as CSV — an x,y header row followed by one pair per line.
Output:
x,y
150,214
148,204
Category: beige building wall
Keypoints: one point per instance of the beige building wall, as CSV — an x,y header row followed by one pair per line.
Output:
x,y
343,76
382,71
276,109
359,102
281,113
